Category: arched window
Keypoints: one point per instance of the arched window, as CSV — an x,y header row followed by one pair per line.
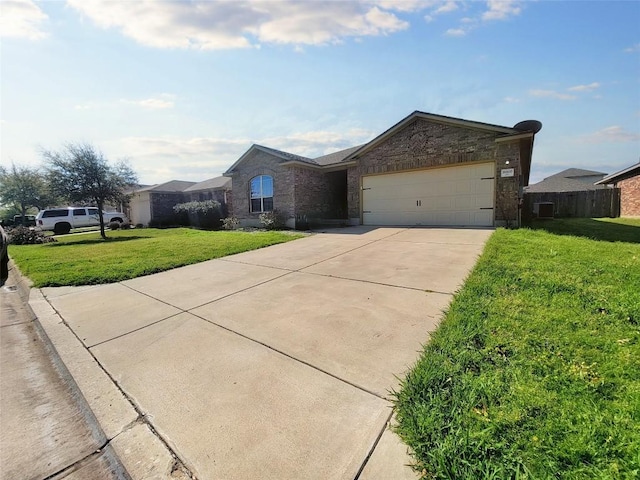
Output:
x,y
262,193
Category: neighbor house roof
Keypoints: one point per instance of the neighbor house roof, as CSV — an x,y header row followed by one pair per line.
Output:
x,y
171,186
211,184
577,173
632,171
569,180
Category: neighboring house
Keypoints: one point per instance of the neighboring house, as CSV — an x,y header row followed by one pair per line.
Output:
x,y
218,188
425,170
628,181
569,180
154,204
571,193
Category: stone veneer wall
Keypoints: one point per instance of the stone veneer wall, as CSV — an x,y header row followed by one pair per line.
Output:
x,y
630,197
262,163
425,144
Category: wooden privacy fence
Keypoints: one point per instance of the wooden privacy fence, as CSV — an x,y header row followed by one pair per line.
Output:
x,y
585,204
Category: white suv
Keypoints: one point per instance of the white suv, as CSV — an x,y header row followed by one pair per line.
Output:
x,y
62,220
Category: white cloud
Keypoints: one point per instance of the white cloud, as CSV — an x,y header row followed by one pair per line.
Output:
x,y
613,134
448,6
551,94
584,88
456,32
501,9
160,159
163,101
317,143
225,25
511,99
633,49
21,19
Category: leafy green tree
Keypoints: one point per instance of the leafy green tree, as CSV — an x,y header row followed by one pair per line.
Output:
x,y
23,187
80,173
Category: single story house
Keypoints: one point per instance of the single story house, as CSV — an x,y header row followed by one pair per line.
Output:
x,y
425,170
571,193
628,181
154,204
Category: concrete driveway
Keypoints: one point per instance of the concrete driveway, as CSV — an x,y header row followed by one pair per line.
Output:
x,y
275,363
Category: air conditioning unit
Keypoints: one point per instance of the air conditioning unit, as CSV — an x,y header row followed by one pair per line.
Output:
x,y
543,209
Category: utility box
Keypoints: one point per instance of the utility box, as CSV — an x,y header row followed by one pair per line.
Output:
x,y
543,209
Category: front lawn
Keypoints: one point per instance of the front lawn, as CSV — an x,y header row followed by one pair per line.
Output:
x,y
87,259
535,370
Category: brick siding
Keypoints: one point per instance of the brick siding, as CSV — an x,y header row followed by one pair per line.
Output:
x,y
262,163
630,197
424,144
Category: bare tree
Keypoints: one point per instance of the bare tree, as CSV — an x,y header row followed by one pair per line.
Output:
x,y
80,173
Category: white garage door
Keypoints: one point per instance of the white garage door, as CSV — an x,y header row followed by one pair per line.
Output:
x,y
460,196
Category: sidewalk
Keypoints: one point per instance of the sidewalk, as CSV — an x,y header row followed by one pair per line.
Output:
x,y
48,430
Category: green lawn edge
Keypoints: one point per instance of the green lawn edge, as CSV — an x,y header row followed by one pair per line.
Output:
x,y
534,371
86,259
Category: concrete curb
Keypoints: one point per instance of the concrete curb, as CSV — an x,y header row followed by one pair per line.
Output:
x,y
142,454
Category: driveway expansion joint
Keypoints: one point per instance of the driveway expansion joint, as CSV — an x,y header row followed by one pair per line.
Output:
x,y
178,464
291,357
374,446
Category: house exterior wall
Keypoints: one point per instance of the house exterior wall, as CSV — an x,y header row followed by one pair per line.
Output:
x,y
140,208
424,144
630,197
162,213
222,196
262,163
319,195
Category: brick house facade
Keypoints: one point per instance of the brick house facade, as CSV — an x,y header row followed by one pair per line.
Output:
x,y
154,205
628,181
330,188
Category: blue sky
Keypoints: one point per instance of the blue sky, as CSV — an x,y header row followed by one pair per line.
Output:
x,y
182,89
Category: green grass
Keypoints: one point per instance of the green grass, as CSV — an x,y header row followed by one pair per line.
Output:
x,y
535,369
86,259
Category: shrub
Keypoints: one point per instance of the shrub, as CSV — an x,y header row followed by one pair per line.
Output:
x,y
273,220
230,223
125,225
204,214
26,236
114,225
139,225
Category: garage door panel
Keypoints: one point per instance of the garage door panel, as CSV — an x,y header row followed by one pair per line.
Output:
x,y
461,195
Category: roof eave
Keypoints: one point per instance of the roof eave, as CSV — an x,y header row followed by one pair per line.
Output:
x,y
514,137
618,176
324,168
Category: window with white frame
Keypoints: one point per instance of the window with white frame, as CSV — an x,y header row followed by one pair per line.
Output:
x,y
262,194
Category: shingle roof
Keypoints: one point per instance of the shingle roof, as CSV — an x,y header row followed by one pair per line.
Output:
x,y
211,184
560,184
576,172
286,155
336,157
628,172
171,186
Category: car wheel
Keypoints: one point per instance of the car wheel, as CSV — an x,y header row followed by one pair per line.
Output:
x,y
61,228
